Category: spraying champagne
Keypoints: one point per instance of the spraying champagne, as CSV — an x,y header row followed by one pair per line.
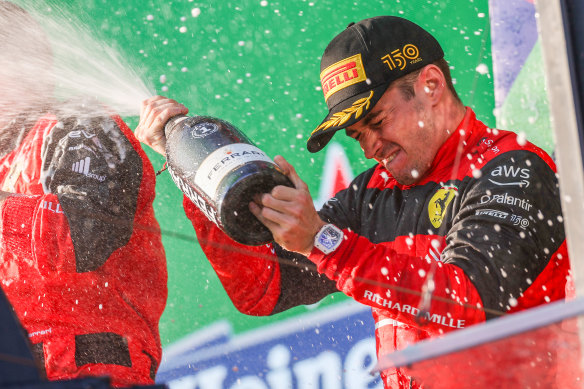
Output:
x,y
220,170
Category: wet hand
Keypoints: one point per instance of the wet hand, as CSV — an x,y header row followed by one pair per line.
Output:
x,y
289,213
154,114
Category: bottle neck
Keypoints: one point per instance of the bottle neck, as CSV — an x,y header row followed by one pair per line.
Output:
x,y
173,123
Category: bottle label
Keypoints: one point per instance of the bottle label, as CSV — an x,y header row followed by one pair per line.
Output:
x,y
208,209
224,160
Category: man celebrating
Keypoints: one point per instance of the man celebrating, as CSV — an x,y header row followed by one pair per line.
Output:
x,y
456,224
81,255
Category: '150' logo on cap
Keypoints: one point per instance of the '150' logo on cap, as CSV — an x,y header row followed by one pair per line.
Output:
x,y
342,74
399,57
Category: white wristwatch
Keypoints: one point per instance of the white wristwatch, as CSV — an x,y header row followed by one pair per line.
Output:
x,y
328,239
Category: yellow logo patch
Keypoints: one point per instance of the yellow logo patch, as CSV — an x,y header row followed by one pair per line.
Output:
x,y
342,74
399,58
439,202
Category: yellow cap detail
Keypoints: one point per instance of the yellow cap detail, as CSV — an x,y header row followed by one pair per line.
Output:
x,y
343,116
399,58
342,74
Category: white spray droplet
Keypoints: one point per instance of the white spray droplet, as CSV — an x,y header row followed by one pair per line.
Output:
x,y
482,69
521,138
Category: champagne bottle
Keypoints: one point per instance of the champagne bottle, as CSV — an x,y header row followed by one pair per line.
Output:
x,y
220,170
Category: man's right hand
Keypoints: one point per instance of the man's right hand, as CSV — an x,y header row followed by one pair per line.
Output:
x,y
289,213
155,112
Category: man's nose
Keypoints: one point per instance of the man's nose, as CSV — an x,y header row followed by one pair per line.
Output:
x,y
370,145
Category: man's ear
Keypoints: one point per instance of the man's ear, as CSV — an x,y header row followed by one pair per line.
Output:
x,y
431,84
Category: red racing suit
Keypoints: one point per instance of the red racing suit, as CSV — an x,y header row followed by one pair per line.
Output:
x,y
82,260
480,235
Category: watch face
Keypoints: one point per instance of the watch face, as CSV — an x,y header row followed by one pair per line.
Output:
x,y
329,238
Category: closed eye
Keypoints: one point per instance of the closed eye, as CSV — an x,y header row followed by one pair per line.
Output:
x,y
377,124
353,134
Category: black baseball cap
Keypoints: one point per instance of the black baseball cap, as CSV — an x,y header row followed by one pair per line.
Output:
x,y
359,64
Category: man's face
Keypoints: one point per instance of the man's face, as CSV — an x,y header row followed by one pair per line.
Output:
x,y
400,134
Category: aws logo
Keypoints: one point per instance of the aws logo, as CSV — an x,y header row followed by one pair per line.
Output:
x,y
439,202
506,175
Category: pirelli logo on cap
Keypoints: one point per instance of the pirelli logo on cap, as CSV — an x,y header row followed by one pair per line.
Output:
x,y
342,74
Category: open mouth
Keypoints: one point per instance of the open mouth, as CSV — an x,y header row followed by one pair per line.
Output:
x,y
390,157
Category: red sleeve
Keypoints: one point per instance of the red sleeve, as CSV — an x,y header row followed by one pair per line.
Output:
x,y
249,275
35,227
375,275
17,223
